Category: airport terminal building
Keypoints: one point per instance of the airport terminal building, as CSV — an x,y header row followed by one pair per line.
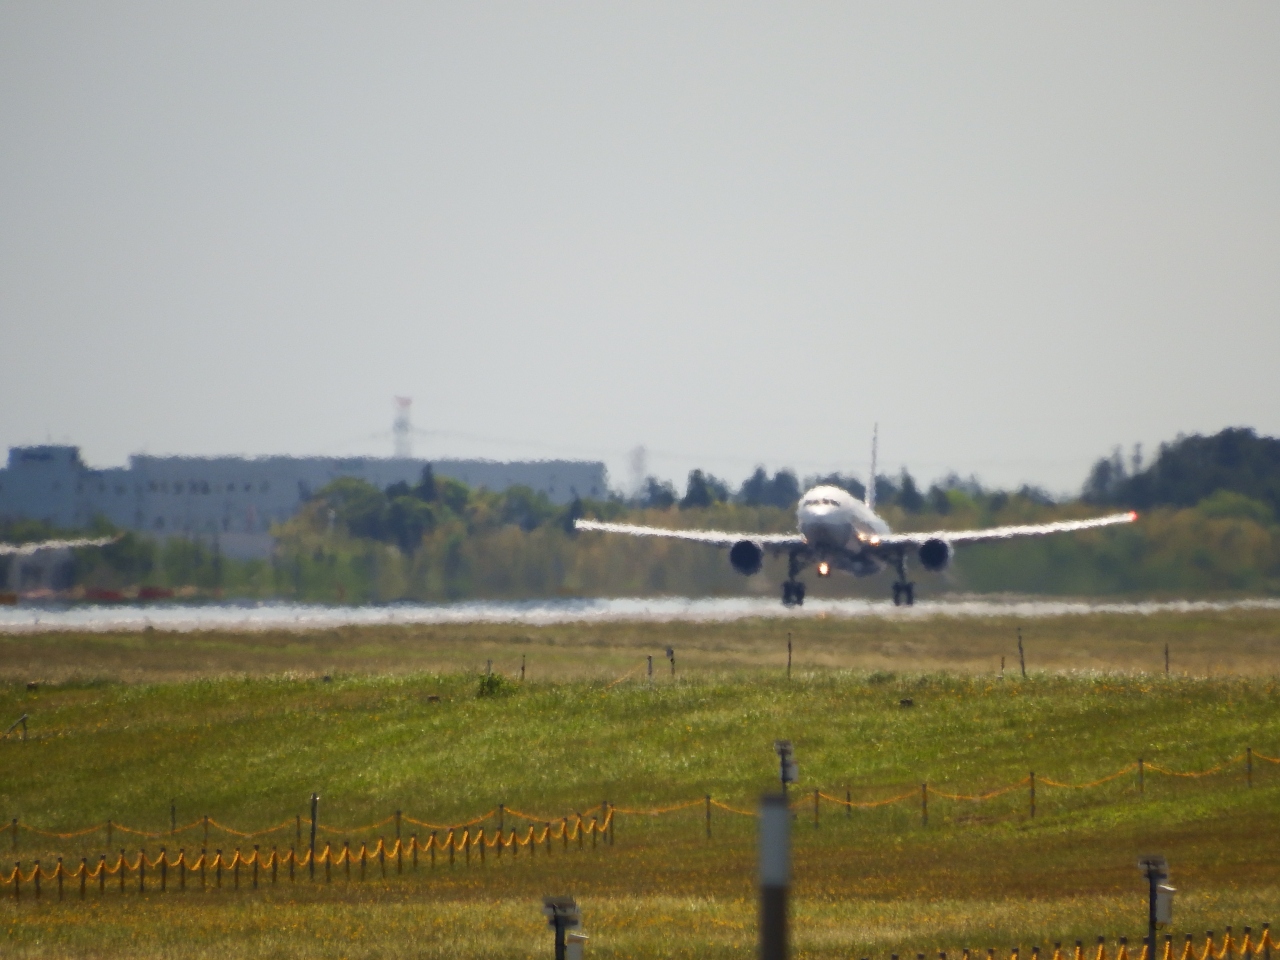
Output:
x,y
237,499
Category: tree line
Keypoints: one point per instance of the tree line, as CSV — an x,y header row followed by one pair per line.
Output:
x,y
1209,505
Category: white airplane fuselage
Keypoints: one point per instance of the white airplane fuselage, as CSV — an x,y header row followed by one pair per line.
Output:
x,y
831,518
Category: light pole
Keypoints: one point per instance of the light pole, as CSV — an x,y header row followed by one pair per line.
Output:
x,y
775,875
1159,895
562,913
788,771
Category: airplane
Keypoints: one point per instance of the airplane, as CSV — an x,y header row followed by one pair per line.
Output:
x,y
835,531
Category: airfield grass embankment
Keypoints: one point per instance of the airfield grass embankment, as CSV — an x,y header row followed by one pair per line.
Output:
x,y
249,750
1240,642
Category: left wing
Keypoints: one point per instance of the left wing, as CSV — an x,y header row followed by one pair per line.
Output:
x,y
23,549
717,538
1008,533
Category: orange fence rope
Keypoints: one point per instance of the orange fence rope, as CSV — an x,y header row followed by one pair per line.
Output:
x,y
801,800
1093,783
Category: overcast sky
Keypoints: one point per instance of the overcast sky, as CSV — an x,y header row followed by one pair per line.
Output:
x,y
1013,234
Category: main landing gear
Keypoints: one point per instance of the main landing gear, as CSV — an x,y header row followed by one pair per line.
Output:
x,y
904,591
792,589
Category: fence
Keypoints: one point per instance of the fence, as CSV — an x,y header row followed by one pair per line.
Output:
x,y
605,812
454,842
1246,948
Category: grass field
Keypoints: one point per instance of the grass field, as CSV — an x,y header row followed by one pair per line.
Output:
x,y
243,728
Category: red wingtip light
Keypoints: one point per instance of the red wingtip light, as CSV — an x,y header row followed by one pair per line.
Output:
x,y
1133,515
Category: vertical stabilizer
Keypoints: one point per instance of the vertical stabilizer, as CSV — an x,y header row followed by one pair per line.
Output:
x,y
870,498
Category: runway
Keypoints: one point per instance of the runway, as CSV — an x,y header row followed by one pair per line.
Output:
x,y
278,615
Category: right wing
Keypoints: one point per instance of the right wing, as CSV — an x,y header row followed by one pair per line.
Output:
x,y
717,538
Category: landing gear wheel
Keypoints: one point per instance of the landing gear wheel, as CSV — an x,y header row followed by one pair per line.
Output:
x,y
904,593
792,593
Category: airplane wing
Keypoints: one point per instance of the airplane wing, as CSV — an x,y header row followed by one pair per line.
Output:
x,y
1009,533
718,538
23,549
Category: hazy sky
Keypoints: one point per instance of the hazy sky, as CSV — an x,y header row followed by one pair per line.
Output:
x,y
1013,234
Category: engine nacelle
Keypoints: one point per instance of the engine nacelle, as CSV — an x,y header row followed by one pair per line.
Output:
x,y
935,554
747,557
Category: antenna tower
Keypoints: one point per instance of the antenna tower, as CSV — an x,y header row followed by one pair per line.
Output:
x,y
401,429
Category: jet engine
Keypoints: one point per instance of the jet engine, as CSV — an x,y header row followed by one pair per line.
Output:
x,y
935,554
746,557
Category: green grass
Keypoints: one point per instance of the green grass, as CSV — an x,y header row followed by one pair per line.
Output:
x,y
248,750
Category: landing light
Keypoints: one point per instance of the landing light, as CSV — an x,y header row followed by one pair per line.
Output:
x,y
824,568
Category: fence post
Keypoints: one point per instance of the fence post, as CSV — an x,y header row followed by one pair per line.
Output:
x,y
382,858
293,862
204,859
564,833
328,862
848,804
124,869
182,868
924,804
164,870
217,871
413,846
346,858
433,843
1033,794
58,873
142,871
364,857
708,816
235,868
17,880
36,871
255,866
315,809
84,874
275,864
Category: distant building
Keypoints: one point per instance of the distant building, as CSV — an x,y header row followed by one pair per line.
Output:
x,y
237,499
